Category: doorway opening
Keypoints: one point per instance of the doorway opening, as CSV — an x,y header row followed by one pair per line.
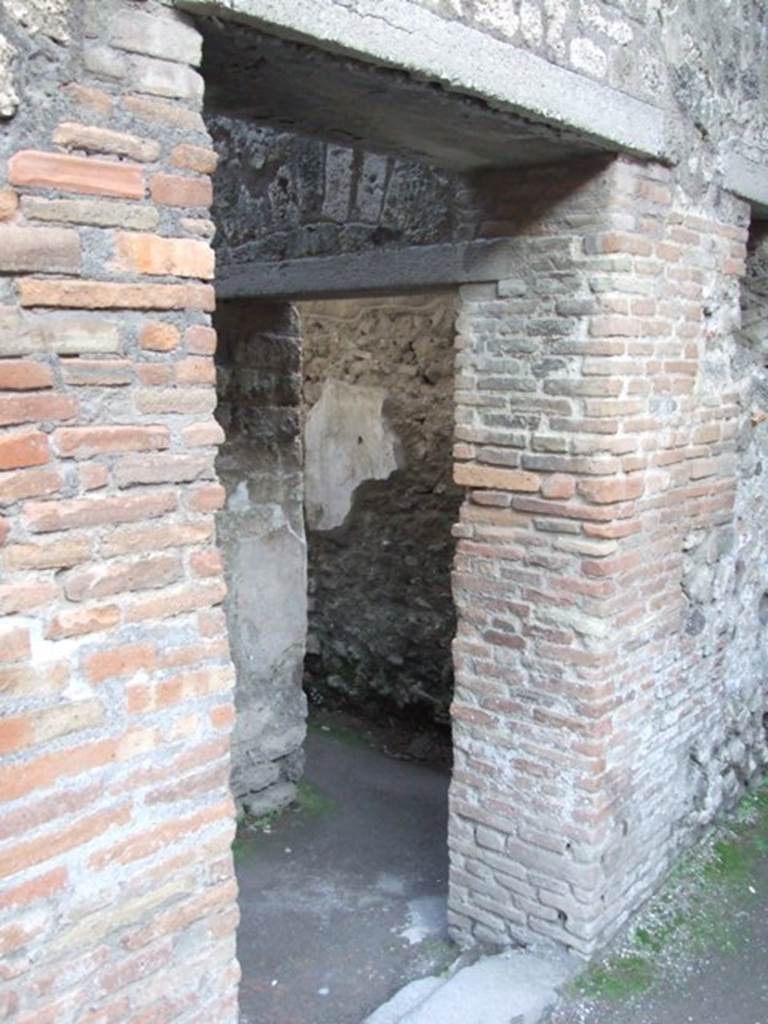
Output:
x,y
378,375
348,195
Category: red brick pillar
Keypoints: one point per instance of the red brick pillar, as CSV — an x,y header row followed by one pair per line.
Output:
x,y
117,895
588,449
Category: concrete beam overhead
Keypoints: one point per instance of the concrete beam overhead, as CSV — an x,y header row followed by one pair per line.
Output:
x,y
398,34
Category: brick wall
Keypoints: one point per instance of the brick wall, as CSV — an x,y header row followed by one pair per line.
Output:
x,y
597,431
609,697
117,898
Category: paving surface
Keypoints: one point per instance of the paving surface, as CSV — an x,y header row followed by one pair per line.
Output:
x,y
699,952
514,987
343,897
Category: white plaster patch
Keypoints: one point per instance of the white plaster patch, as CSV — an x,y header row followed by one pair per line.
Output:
x,y
348,441
9,98
46,16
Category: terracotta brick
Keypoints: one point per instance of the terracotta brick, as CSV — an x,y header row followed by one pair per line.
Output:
x,y
473,475
206,563
18,681
47,516
28,408
209,498
27,854
9,203
200,340
160,469
608,491
14,644
203,434
70,135
57,554
177,602
174,190
40,887
195,370
23,597
194,158
559,486
75,174
126,660
153,538
222,717
24,448
93,476
86,96
143,698
106,295
165,835
159,337
193,654
83,621
161,111
24,375
212,622
154,375
20,484
85,584
84,442
167,257
103,373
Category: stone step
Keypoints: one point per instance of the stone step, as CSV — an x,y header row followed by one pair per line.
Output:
x,y
510,988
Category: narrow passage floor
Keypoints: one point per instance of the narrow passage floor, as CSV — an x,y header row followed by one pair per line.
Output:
x,y
343,897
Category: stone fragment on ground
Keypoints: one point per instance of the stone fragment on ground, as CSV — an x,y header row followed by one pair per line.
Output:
x,y
511,988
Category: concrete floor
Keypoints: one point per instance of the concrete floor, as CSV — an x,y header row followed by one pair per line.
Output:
x,y
343,897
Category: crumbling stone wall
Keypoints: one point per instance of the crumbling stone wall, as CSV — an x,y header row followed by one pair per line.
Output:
x,y
707,62
261,532
282,195
382,617
605,418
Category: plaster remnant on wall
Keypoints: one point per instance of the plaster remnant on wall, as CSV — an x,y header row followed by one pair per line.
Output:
x,y
9,98
46,16
348,441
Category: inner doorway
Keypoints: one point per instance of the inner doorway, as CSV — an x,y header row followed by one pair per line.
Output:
x,y
338,416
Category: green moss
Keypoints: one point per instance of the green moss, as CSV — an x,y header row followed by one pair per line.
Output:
x,y
311,799
616,978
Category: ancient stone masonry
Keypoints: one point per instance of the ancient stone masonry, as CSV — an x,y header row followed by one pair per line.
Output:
x,y
261,531
282,196
117,897
382,617
600,436
587,178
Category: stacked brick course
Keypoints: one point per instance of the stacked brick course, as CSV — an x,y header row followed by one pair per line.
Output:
x,y
611,645
117,898
594,442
